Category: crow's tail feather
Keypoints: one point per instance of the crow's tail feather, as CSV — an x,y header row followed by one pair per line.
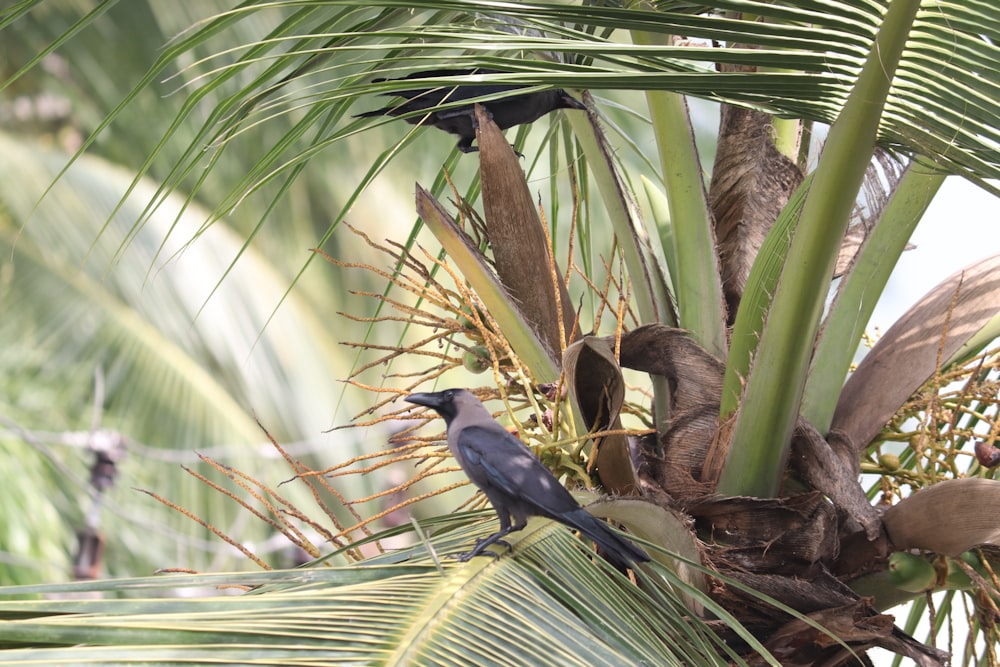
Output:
x,y
369,114
618,550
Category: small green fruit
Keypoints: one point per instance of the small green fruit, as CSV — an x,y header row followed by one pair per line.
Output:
x,y
889,462
911,573
477,359
465,317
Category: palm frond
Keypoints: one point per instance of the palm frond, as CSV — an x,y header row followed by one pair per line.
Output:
x,y
549,605
819,50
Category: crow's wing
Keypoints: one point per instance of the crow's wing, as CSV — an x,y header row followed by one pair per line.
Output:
x,y
496,459
433,96
501,465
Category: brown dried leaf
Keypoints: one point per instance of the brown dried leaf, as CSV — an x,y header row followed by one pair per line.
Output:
x,y
519,242
695,379
598,389
695,376
947,518
881,177
684,446
910,351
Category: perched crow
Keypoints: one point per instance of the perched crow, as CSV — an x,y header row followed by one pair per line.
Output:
x,y
513,478
511,110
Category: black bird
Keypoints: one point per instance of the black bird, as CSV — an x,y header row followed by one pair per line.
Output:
x,y
515,481
508,111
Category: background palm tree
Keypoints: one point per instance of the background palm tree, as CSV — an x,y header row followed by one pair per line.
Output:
x,y
813,63
133,329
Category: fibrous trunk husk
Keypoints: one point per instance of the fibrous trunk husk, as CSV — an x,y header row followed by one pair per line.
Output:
x,y
751,183
789,548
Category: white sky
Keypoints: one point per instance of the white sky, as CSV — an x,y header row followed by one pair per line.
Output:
x,y
961,226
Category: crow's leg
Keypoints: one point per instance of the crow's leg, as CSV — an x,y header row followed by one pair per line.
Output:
x,y
465,145
481,545
519,514
495,538
503,515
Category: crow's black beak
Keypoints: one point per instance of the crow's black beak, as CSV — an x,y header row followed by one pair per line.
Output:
x,y
567,101
429,399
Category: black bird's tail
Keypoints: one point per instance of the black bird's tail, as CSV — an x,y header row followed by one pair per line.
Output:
x,y
369,114
619,551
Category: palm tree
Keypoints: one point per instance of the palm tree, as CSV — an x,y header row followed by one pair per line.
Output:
x,y
756,438
114,329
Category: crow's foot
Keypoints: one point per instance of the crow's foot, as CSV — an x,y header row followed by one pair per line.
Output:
x,y
482,543
469,555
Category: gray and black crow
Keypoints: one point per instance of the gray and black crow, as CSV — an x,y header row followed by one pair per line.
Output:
x,y
513,479
508,111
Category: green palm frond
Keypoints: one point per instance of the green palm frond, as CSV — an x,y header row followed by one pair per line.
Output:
x,y
314,64
309,66
549,604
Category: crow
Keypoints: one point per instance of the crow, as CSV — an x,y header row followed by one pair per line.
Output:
x,y
513,479
508,111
